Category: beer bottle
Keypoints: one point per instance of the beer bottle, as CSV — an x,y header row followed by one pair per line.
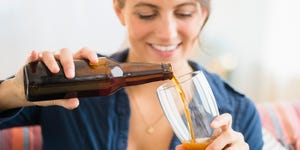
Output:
x,y
100,79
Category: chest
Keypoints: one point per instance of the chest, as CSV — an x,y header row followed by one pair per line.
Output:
x,y
96,124
149,136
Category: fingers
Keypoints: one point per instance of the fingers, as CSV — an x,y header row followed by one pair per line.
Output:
x,y
238,146
66,60
223,121
65,57
48,58
179,147
85,53
33,56
227,138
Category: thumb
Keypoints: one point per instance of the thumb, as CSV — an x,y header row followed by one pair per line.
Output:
x,y
179,147
223,121
70,104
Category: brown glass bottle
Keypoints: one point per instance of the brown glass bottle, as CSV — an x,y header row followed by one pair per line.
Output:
x,y
101,79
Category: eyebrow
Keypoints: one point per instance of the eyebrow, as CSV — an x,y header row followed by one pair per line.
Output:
x,y
187,3
142,4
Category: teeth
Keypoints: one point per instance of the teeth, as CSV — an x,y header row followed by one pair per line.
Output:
x,y
164,48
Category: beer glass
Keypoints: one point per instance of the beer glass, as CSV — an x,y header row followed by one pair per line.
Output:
x,y
191,112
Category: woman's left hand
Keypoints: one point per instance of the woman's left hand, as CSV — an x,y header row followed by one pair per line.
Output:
x,y
227,138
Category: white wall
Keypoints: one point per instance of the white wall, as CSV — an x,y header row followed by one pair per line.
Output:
x,y
53,24
260,36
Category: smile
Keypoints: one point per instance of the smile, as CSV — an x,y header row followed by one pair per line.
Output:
x,y
164,48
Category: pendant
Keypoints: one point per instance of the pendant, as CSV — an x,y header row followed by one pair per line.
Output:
x,y
150,130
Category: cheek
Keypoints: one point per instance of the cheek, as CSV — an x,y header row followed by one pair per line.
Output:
x,y
189,32
192,29
137,30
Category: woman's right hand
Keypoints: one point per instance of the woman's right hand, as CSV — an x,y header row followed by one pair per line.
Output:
x,y
14,96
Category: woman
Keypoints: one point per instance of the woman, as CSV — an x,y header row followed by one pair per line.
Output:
x,y
158,31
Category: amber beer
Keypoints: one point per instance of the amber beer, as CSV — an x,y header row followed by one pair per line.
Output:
x,y
186,108
199,144
193,144
100,79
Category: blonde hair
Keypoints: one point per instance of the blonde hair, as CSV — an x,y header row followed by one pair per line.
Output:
x,y
204,3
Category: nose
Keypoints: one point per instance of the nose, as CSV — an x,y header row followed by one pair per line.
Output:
x,y
166,29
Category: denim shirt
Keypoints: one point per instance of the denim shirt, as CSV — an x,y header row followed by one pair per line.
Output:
x,y
103,122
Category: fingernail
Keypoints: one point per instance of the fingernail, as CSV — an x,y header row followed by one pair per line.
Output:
x,y
215,123
95,60
56,68
70,73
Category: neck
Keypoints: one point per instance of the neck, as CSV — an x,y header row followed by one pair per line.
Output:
x,y
181,68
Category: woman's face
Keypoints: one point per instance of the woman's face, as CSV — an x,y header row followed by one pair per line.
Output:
x,y
161,30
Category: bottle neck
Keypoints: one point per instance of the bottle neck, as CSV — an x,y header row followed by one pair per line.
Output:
x,y
137,73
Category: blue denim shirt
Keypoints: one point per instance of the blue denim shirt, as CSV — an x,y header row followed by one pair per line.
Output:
x,y
103,122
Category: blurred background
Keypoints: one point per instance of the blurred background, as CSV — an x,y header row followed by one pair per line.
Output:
x,y
253,44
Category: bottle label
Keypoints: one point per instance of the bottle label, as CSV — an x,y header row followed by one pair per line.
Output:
x,y
117,71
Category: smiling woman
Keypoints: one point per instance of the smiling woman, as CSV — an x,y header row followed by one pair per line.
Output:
x,y
158,31
165,32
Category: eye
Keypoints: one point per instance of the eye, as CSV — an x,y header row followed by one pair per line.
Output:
x,y
146,16
184,14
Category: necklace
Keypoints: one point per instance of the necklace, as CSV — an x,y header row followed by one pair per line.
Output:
x,y
150,127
